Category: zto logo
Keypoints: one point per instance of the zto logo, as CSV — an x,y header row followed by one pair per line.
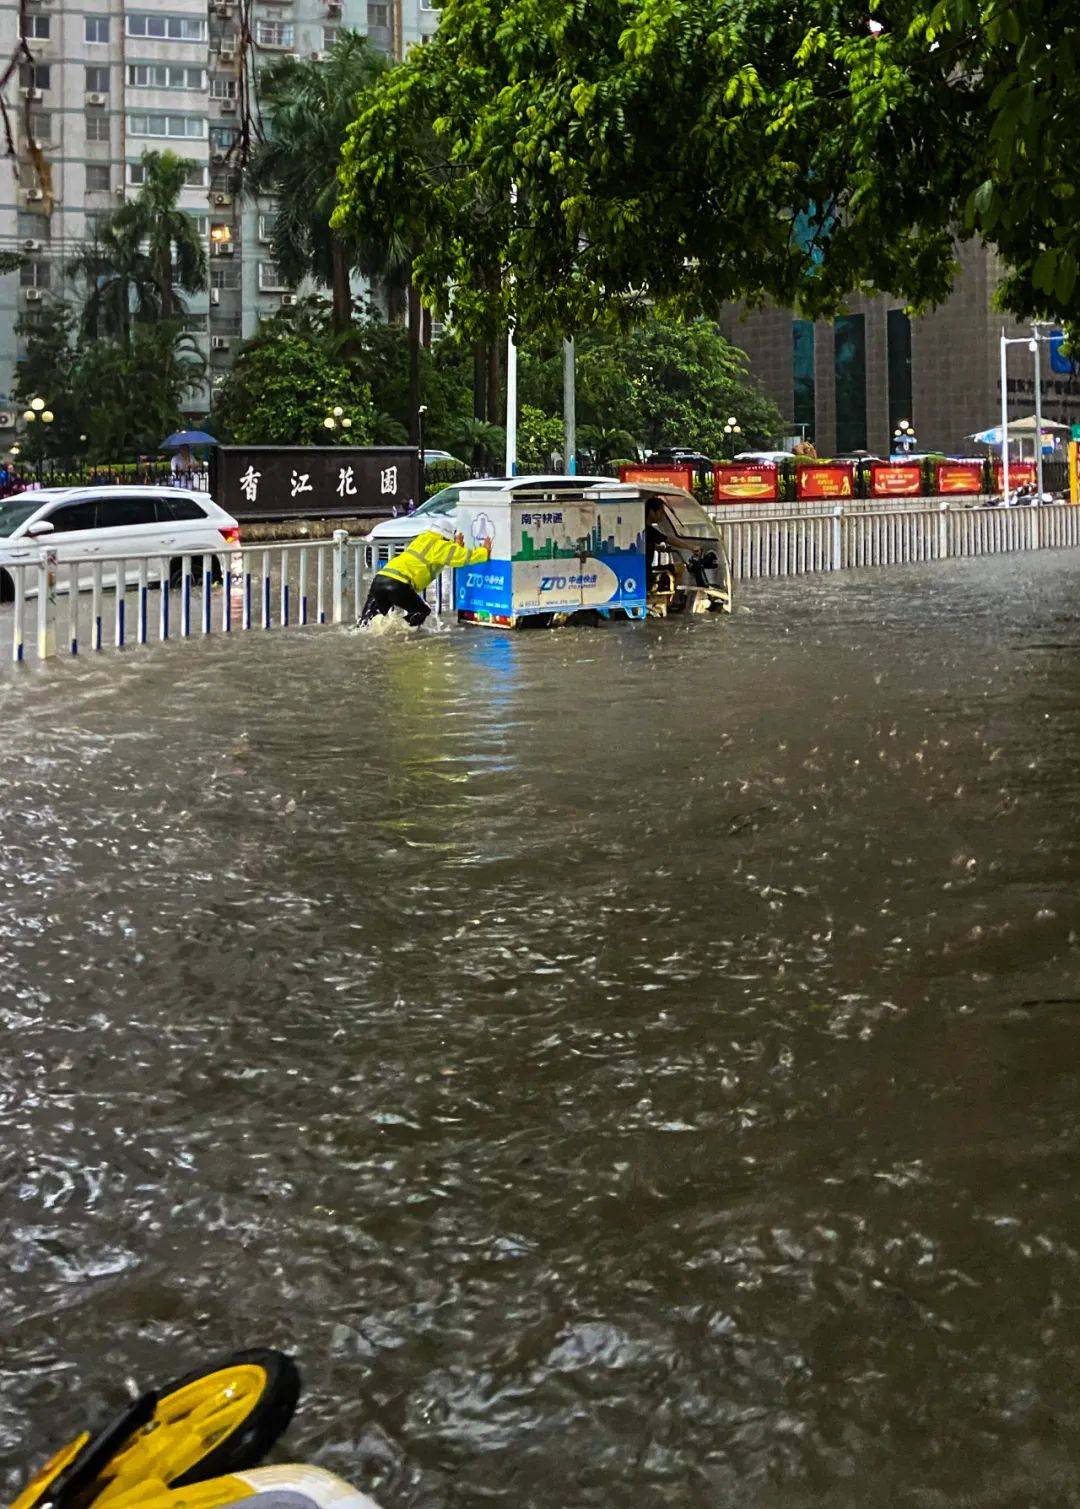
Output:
x,y
482,529
552,583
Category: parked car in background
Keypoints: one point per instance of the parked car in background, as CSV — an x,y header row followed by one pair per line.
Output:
x,y
441,458
84,523
761,458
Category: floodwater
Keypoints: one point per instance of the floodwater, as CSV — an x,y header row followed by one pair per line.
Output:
x,y
628,1067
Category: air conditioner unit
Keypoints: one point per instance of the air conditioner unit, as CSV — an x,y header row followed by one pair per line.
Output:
x,y
32,94
31,246
222,200
97,99
333,7
7,420
223,9
227,52
222,249
33,295
228,107
35,196
218,157
215,295
220,343
319,57
288,300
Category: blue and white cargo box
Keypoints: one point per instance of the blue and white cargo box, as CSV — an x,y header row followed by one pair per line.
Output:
x,y
558,547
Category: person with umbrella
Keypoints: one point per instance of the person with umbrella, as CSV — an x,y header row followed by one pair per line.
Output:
x,y
182,465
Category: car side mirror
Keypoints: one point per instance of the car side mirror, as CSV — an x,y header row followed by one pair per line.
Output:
x,y
40,527
710,560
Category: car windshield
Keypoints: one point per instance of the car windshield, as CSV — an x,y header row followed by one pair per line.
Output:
x,y
443,502
16,511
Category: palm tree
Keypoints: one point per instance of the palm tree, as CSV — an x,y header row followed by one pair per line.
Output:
x,y
308,108
141,254
174,248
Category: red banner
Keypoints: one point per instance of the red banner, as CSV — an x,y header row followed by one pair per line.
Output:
x,y
1019,473
835,480
742,484
892,479
676,476
958,477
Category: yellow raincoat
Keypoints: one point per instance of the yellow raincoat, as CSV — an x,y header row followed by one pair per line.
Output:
x,y
425,557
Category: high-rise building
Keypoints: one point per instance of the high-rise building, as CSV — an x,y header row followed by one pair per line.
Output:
x,y
112,78
847,384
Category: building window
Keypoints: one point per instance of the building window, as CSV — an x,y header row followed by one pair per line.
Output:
x,y
41,125
329,37
97,80
196,176
96,28
223,88
266,226
163,76
31,227
166,125
166,28
35,76
97,128
35,275
849,347
274,33
201,223
224,277
378,15
270,280
898,342
802,372
36,28
222,138
98,177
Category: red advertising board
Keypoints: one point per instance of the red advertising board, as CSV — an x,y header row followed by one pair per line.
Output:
x,y
958,477
895,479
1020,472
746,484
834,480
677,476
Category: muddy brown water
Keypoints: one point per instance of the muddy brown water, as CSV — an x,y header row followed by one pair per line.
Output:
x,y
634,1067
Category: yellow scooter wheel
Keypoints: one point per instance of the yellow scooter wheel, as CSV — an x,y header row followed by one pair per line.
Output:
x,y
209,1423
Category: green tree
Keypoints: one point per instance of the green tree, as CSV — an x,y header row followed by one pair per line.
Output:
x,y
131,394
665,382
307,108
141,255
695,152
282,388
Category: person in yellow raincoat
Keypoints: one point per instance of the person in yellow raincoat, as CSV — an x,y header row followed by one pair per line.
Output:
x,y
400,583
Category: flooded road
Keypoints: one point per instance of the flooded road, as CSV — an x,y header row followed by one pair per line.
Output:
x,y
634,1067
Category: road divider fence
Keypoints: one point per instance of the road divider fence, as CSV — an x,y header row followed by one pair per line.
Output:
x,y
304,583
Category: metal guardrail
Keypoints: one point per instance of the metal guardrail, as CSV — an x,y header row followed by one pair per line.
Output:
x,y
799,545
311,582
294,583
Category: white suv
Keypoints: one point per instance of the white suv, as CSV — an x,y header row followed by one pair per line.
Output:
x,y
84,523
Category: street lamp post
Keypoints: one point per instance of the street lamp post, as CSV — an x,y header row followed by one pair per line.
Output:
x,y
731,429
904,439
421,411
1033,342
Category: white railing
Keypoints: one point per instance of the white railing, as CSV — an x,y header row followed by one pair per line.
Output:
x,y
253,587
310,582
841,541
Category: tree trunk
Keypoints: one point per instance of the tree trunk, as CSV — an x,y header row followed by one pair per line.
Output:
x,y
494,385
416,332
395,301
479,380
341,289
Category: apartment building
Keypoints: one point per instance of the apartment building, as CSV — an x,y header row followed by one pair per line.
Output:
x,y
113,78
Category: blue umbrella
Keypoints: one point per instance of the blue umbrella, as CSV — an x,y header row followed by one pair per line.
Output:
x,y
187,437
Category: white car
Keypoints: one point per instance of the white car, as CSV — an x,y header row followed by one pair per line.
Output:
x,y
772,458
391,536
84,523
